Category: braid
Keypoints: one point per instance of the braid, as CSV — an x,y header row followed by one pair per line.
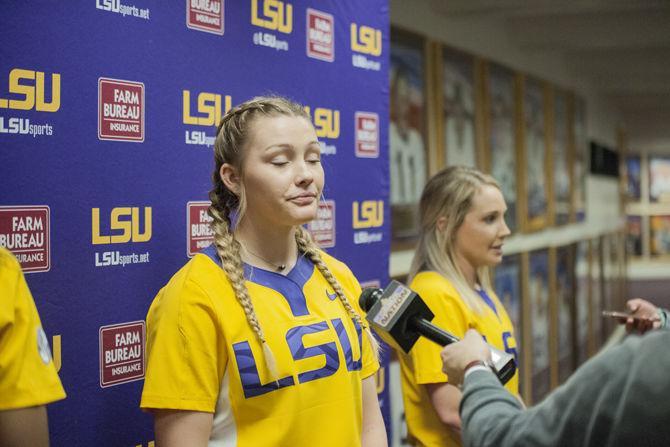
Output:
x,y
232,133
228,249
307,246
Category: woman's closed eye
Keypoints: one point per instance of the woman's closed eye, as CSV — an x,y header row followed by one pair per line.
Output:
x,y
279,160
491,218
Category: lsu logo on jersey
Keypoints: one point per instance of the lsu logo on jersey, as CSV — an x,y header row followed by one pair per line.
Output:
x,y
205,15
368,214
30,89
366,40
125,225
209,108
326,122
274,15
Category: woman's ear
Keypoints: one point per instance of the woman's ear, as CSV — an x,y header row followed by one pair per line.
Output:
x,y
230,178
441,224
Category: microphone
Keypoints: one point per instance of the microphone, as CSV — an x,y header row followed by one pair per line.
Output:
x,y
401,316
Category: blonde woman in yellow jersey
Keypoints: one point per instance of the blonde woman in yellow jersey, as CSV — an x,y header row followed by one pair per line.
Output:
x,y
462,232
28,377
258,340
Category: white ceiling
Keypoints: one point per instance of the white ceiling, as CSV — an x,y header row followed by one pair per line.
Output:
x,y
621,46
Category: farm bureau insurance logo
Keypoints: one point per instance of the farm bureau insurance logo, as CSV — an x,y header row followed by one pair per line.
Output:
x,y
206,111
199,234
368,214
205,15
25,231
117,7
320,35
273,15
322,228
124,225
122,350
120,110
327,126
27,91
366,41
367,134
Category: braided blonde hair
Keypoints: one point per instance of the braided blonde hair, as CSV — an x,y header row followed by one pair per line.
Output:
x,y
306,245
231,137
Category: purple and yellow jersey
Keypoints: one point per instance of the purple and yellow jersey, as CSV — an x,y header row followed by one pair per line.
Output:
x,y
423,364
203,356
27,373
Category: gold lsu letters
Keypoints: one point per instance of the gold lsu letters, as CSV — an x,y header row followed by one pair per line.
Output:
x,y
326,122
130,229
33,95
368,214
278,15
365,39
209,105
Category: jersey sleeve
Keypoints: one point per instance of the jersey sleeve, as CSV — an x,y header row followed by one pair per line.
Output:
x,y
186,350
450,316
28,376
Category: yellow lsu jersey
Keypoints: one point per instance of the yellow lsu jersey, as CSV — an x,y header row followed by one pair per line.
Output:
x,y
423,364
27,373
203,356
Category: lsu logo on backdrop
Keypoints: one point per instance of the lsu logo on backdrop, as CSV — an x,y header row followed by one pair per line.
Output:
x,y
327,125
124,10
322,228
127,220
320,35
124,225
28,91
25,231
207,111
205,15
366,215
199,234
367,134
122,350
120,110
365,40
272,15
326,122
275,15
56,343
30,86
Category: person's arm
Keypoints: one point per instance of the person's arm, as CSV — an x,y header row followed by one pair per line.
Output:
x,y
585,409
374,432
24,426
174,428
446,399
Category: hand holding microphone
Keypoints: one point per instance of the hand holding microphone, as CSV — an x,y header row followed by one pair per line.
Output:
x,y
400,316
458,357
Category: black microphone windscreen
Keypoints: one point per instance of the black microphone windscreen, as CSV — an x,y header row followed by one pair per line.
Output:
x,y
369,297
